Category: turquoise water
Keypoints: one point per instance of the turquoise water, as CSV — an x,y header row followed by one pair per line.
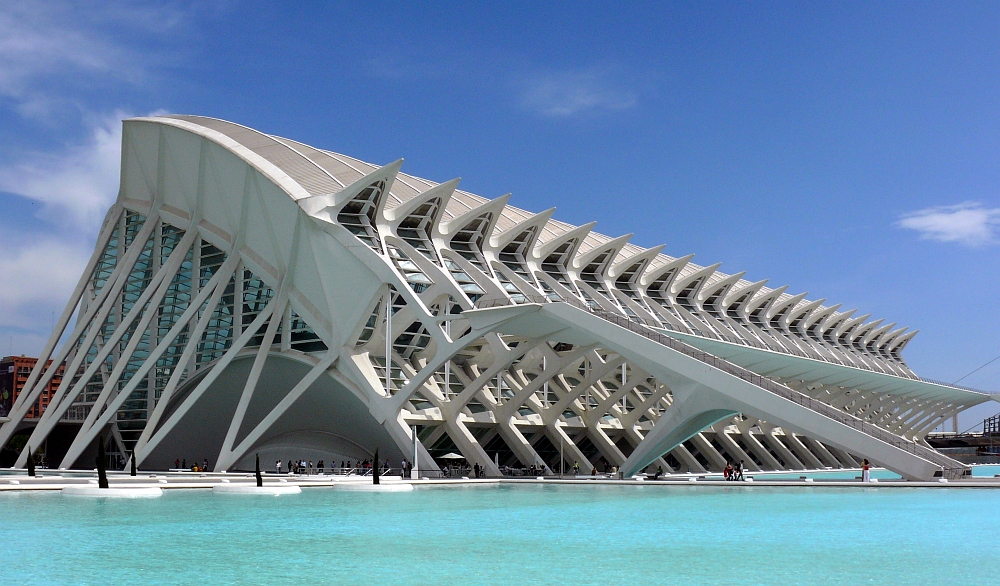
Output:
x,y
507,534
986,470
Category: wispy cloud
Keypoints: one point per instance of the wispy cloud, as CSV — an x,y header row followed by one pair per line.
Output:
x,y
50,49
38,278
56,58
568,93
76,184
968,223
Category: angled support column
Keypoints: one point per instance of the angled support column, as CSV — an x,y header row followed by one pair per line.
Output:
x,y
755,446
814,447
470,448
95,314
694,408
402,434
734,449
87,433
603,443
556,434
144,310
685,457
236,454
206,382
520,445
847,460
217,286
708,450
804,456
226,453
792,461
110,223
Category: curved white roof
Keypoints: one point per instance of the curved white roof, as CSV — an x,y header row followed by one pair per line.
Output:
x,y
321,172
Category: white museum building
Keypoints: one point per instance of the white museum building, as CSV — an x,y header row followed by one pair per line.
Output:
x,y
250,294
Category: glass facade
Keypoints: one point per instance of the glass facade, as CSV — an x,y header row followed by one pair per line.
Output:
x,y
243,297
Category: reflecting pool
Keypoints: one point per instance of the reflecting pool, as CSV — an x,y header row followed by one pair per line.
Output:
x,y
507,534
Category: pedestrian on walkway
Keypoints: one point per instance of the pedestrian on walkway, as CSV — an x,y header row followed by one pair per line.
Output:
x,y
866,474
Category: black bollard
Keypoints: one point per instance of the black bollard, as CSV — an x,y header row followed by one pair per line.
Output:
x,y
134,470
102,472
260,479
31,463
375,468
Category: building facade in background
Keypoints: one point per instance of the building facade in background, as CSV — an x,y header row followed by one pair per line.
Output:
x,y
250,294
14,373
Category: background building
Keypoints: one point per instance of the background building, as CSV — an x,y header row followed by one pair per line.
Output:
x,y
254,295
14,373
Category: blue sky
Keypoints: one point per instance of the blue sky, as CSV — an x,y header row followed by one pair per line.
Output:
x,y
849,150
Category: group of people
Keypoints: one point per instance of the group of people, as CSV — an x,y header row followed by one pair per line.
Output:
x,y
362,467
302,467
182,464
734,473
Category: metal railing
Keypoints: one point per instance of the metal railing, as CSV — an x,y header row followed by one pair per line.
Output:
x,y
951,467
953,385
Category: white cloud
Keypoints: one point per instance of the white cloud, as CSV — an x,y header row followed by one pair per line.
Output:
x,y
968,223
77,184
566,93
38,277
54,57
39,268
36,41
50,50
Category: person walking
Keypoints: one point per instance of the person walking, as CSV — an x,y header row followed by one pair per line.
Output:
x,y
277,467
402,469
727,472
866,474
576,468
739,470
